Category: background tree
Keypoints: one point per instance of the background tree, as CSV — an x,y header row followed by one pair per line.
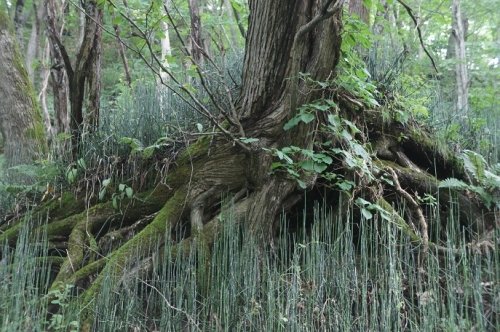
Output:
x,y
84,75
20,118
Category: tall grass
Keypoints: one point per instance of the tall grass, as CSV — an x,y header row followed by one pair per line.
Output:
x,y
332,274
24,279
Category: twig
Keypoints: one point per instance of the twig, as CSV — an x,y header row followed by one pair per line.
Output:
x,y
415,21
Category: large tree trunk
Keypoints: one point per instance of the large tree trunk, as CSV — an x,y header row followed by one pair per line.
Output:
x,y
276,52
20,119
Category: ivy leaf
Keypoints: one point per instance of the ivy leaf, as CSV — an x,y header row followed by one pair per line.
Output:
x,y
301,117
366,213
320,107
102,193
334,120
276,165
344,185
302,184
293,122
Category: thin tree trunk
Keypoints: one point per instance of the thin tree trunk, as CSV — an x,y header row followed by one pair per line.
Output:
x,y
230,10
459,25
195,34
42,96
94,82
237,19
358,8
123,55
58,74
19,22
32,50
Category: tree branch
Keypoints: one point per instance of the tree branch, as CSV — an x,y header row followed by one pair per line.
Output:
x,y
415,21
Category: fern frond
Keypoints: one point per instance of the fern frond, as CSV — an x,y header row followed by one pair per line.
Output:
x,y
453,183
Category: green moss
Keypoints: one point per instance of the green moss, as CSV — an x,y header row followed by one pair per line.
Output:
x,y
148,238
57,208
24,85
4,22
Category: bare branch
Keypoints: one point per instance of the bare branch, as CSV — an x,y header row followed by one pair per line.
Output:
x,y
417,26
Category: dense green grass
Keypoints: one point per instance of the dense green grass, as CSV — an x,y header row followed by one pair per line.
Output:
x,y
330,275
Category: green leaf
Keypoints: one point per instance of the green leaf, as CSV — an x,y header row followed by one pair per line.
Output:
x,y
345,185
121,187
129,191
149,151
475,164
366,213
345,134
276,165
117,19
293,122
302,184
71,175
81,162
106,182
102,193
453,183
311,166
354,129
307,117
301,117
134,143
320,106
362,202
359,150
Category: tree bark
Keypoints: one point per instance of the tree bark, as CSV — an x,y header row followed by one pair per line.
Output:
x,y
20,119
32,50
58,73
458,35
123,55
19,21
357,7
196,40
85,71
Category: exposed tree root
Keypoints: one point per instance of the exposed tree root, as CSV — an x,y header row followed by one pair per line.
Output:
x,y
57,208
420,215
124,239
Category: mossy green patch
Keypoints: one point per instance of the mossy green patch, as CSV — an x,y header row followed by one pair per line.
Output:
x,y
146,240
